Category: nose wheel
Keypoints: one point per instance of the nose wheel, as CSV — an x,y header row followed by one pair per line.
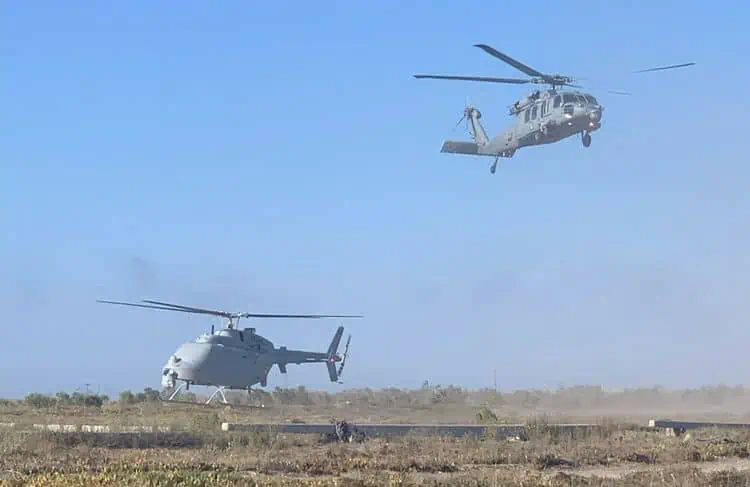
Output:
x,y
586,139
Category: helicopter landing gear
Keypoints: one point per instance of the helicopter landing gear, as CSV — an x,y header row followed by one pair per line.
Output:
x,y
507,153
586,139
172,392
219,390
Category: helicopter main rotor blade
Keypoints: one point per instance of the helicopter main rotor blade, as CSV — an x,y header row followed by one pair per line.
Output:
x,y
487,79
504,57
189,309
662,68
263,315
249,315
154,307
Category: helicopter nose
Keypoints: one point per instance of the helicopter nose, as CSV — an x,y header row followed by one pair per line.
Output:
x,y
595,115
188,361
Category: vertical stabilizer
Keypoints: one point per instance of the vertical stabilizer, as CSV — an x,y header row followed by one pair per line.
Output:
x,y
334,346
477,130
331,355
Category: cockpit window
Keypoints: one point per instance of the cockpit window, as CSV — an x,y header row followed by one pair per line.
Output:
x,y
569,98
591,99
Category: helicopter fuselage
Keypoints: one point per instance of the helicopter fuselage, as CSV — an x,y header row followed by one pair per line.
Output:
x,y
543,117
234,359
238,359
546,117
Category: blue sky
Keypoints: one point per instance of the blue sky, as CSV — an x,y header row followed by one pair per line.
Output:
x,y
281,158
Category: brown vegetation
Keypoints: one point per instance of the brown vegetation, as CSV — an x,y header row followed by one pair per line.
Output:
x,y
628,456
616,454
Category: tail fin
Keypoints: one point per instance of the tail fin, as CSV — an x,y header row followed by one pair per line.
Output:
x,y
333,357
472,116
331,354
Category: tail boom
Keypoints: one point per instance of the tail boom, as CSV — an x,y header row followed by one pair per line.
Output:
x,y
330,357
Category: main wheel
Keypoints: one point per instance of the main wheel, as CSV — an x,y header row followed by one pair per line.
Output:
x,y
492,169
586,140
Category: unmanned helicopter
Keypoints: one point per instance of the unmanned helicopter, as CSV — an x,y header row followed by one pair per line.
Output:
x,y
231,358
542,117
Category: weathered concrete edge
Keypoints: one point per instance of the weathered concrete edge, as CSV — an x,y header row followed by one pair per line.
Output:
x,y
686,425
404,429
88,428
508,430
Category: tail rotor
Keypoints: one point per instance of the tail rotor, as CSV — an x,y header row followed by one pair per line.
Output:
x,y
469,110
343,359
332,356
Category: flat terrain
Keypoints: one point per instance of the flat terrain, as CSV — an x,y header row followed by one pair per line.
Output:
x,y
621,452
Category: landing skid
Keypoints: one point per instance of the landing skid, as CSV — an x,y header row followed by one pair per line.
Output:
x,y
168,396
182,386
176,391
219,390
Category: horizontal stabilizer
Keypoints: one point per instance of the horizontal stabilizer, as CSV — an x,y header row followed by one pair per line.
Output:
x,y
456,147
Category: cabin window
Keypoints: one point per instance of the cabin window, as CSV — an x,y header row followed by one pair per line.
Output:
x,y
544,108
534,112
526,115
557,101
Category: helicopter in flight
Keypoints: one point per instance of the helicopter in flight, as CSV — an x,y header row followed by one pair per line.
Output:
x,y
233,358
542,117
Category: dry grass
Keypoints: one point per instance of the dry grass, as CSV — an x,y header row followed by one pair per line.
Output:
x,y
613,456
616,454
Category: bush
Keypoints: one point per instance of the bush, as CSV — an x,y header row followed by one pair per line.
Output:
x,y
38,400
41,401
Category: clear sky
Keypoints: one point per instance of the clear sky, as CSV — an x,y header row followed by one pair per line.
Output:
x,y
279,157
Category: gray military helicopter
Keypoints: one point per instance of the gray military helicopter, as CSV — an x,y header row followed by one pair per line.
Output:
x,y
231,358
541,117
